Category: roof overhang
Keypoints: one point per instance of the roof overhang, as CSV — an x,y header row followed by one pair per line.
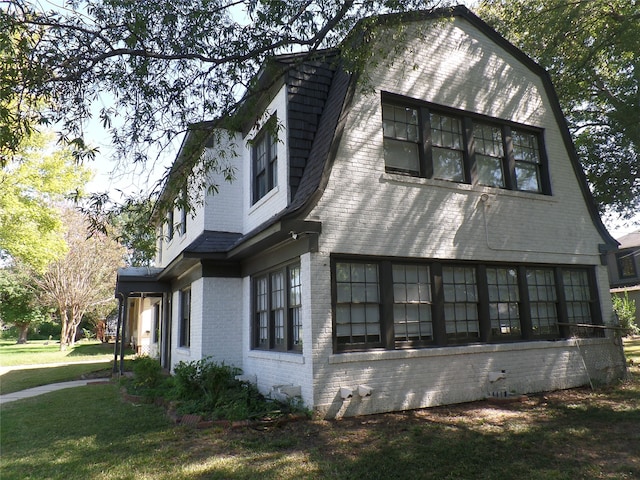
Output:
x,y
227,261
139,280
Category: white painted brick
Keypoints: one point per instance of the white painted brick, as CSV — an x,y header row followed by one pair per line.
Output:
x,y
365,211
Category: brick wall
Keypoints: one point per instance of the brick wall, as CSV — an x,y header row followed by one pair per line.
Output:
x,y
367,211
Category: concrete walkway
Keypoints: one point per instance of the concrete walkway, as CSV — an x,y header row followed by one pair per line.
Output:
x,y
32,392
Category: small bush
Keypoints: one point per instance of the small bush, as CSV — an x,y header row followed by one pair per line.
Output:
x,y
147,372
625,309
206,388
211,389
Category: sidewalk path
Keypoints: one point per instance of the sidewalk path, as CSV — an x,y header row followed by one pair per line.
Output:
x,y
32,392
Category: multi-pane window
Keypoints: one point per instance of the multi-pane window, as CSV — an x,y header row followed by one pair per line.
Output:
x,y
357,304
447,148
378,303
277,302
412,303
504,301
526,153
577,295
262,311
278,307
489,151
421,140
295,306
401,138
626,264
543,299
265,161
184,333
460,302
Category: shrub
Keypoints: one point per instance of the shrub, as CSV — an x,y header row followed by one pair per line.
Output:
x,y
147,372
212,390
625,309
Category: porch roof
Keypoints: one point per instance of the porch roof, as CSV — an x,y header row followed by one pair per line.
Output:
x,y
140,280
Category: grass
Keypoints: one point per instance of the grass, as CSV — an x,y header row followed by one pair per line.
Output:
x,y
16,380
86,358
632,349
42,351
89,432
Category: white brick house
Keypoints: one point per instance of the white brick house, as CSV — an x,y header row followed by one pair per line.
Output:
x,y
416,235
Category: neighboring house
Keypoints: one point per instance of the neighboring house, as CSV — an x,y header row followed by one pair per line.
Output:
x,y
420,234
624,269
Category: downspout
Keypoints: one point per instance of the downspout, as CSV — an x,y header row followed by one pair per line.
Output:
x,y
115,349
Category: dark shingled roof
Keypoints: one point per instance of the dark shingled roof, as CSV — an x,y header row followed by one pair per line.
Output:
x,y
213,242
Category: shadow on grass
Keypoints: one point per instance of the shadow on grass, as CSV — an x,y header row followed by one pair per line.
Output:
x,y
89,432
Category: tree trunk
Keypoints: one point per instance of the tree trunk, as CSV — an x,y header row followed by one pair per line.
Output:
x,y
64,320
23,330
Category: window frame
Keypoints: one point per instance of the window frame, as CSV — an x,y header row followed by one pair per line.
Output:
x,y
268,137
184,327
520,290
620,258
170,226
290,310
469,121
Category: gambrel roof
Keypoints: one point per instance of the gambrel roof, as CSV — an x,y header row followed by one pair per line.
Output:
x,y
319,91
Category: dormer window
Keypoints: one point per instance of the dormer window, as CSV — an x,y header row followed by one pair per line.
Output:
x,y
428,141
265,161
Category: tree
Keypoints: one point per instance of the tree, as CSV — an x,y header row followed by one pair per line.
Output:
x,y
159,67
19,304
83,278
130,223
30,186
591,49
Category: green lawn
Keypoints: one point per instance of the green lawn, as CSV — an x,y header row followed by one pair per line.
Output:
x,y
86,358
89,432
632,349
42,351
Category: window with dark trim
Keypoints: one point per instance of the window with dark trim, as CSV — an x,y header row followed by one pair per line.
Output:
x,y
277,304
265,161
504,302
182,227
626,264
543,300
441,143
184,333
382,303
412,322
170,226
357,304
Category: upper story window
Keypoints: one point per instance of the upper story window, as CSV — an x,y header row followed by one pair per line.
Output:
x,y
265,161
626,264
182,226
381,303
425,141
170,226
